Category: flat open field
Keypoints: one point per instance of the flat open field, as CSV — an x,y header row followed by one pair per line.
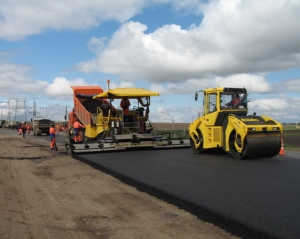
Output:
x,y
291,139
170,126
291,135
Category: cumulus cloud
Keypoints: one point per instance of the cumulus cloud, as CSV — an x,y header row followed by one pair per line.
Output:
x,y
19,19
290,85
279,108
234,37
61,87
253,83
15,80
235,43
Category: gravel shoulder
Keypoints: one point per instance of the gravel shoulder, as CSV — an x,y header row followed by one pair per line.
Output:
x,y
46,194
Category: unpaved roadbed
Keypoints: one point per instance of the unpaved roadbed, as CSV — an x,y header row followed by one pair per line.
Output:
x,y
46,194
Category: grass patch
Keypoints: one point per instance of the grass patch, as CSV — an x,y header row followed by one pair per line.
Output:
x,y
172,133
288,146
292,134
290,127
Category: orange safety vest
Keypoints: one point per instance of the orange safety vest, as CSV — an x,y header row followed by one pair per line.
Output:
x,y
77,125
51,130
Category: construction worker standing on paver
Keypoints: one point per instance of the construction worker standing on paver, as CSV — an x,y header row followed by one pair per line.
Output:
x,y
125,103
76,126
52,138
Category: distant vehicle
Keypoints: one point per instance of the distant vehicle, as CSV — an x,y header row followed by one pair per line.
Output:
x,y
41,125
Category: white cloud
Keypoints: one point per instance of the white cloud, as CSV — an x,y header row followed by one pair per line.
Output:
x,y
61,87
16,80
253,84
291,85
236,43
235,37
281,109
19,19
269,105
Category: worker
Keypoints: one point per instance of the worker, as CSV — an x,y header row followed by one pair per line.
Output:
x,y
20,130
235,101
28,128
125,103
24,129
52,138
76,126
105,108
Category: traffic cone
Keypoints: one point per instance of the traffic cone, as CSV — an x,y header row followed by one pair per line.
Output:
x,y
281,152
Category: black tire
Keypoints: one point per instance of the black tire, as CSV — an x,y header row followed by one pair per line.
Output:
x,y
233,150
195,149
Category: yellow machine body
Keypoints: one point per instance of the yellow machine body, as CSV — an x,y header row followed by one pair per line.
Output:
x,y
227,126
106,127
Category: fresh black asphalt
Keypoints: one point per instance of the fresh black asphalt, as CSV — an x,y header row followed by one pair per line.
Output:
x,y
249,198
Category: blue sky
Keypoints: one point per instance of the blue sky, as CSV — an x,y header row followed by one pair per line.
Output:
x,y
173,47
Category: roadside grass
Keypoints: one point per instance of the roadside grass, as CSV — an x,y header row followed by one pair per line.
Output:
x,y
293,134
290,127
288,146
172,133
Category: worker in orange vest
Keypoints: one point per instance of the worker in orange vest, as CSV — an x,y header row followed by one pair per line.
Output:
x,y
28,129
76,126
235,100
125,103
24,128
52,138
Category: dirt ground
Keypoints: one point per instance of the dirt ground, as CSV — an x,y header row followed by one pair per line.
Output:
x,y
46,194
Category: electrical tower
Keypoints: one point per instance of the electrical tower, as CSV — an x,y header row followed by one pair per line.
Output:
x,y
33,110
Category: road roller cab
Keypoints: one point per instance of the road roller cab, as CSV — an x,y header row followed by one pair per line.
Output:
x,y
225,124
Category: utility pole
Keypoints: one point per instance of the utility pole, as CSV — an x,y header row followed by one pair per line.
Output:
x,y
16,109
33,110
8,118
25,110
66,116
